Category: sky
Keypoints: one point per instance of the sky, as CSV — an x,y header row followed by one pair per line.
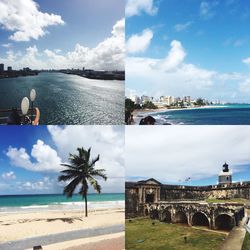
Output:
x,y
43,34
199,48
174,154
30,156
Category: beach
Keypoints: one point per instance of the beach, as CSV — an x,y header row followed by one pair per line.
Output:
x,y
16,226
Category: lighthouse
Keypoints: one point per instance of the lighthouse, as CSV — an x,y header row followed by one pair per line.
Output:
x,y
225,176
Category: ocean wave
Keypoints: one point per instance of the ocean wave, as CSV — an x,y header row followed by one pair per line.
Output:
x,y
92,205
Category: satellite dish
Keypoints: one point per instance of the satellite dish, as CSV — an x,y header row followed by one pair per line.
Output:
x,y
25,105
32,95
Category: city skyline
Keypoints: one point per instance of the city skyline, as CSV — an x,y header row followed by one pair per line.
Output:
x,y
197,48
47,35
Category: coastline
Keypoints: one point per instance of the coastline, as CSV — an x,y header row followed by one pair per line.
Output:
x,y
139,114
18,226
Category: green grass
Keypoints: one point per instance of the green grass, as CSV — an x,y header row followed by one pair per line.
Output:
x,y
141,234
240,200
246,244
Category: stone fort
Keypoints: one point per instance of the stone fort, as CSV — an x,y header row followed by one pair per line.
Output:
x,y
186,204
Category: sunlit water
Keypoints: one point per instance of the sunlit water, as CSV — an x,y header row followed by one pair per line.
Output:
x,y
67,99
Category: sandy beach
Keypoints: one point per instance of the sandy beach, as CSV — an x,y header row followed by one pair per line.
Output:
x,y
16,226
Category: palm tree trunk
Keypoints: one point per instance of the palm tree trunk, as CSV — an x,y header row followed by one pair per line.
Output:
x,y
86,206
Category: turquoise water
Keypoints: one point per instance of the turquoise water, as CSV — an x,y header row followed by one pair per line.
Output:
x,y
67,99
224,115
54,199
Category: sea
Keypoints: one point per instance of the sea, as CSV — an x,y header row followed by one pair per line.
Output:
x,y
45,202
67,99
235,114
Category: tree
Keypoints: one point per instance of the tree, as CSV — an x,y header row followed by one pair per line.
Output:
x,y
129,108
81,172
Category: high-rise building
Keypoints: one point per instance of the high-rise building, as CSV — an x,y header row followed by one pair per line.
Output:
x,y
1,67
9,68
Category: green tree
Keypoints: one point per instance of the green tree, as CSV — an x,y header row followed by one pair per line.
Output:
x,y
81,172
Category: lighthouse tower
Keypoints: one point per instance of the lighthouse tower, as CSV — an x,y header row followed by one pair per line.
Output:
x,y
225,176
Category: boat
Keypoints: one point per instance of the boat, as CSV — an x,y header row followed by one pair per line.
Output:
x,y
25,115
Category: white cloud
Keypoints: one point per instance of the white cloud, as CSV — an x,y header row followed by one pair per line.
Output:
x,y
45,158
172,75
24,19
245,86
107,55
177,152
9,175
182,26
136,7
108,141
139,42
207,9
246,61
6,45
175,57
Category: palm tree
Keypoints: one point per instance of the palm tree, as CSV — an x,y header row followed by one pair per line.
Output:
x,y
81,171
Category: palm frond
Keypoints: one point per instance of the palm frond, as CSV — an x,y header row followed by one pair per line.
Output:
x,y
100,173
94,184
70,188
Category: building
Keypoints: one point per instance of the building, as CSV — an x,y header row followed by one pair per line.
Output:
x,y
1,67
167,100
225,176
9,68
187,204
145,99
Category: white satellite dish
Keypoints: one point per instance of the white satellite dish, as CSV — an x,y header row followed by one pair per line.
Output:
x,y
32,95
25,105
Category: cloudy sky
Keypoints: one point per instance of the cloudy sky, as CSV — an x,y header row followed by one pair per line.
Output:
x,y
172,154
193,47
62,34
30,158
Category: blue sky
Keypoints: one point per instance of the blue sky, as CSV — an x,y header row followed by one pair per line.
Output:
x,y
58,26
180,152
213,37
30,157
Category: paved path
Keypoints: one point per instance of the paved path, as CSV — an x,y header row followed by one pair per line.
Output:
x,y
55,238
235,238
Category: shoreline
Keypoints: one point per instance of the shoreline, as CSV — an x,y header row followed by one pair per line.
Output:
x,y
139,114
63,206
19,226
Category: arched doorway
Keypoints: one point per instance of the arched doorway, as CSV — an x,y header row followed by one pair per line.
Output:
x,y
166,217
224,222
200,219
150,198
154,214
180,217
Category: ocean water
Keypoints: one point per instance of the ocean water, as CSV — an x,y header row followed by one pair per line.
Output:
x,y
223,115
67,99
26,203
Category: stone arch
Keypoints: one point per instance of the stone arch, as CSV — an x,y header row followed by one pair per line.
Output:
x,y
154,214
200,219
181,217
224,222
166,216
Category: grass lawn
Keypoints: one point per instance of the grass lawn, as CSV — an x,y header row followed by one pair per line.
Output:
x,y
141,234
246,244
239,200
